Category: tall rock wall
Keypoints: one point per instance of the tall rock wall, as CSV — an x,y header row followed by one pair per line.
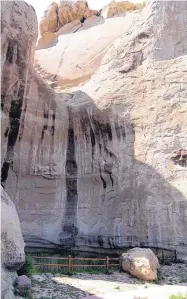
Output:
x,y
93,169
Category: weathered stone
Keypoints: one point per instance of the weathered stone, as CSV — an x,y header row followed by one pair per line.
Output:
x,y
141,263
39,278
49,22
92,169
12,246
58,16
23,282
119,8
91,45
46,40
71,27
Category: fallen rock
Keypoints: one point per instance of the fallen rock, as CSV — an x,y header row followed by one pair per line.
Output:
x,y
23,286
40,278
141,263
23,282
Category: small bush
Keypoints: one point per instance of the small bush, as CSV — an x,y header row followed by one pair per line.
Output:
x,y
178,296
29,267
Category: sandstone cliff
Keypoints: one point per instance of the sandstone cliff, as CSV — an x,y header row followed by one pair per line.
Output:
x,y
93,169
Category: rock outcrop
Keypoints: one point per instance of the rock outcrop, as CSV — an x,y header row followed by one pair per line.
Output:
x,y
119,8
12,246
58,15
92,169
141,263
70,16
73,68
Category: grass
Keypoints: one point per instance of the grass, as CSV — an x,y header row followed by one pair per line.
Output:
x,y
90,266
178,296
29,266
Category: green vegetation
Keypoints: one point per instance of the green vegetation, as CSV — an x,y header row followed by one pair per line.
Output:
x,y
117,288
57,265
178,296
29,267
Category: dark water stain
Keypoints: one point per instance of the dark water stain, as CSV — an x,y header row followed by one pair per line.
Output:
x,y
14,117
69,229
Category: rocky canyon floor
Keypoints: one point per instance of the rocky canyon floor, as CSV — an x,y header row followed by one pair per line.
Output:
x,y
172,279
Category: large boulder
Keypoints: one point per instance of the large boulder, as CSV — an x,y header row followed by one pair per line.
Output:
x,y
12,245
141,263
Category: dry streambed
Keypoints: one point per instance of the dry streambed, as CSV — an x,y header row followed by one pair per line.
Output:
x,y
77,286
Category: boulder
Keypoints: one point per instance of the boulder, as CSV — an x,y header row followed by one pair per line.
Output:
x,y
141,263
59,15
23,282
49,22
12,246
116,8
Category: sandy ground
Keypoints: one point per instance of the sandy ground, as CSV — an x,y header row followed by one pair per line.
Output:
x,y
172,280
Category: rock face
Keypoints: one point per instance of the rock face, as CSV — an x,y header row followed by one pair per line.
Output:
x,y
58,15
12,245
141,263
92,169
70,67
118,8
70,16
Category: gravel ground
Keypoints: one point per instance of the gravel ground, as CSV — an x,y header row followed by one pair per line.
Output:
x,y
45,286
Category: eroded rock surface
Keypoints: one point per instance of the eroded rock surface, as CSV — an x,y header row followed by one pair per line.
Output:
x,y
12,246
92,169
58,15
119,8
73,68
141,263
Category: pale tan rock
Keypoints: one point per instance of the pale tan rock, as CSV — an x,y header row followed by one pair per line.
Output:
x,y
90,12
49,22
117,8
46,40
75,67
69,11
71,27
61,17
141,263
